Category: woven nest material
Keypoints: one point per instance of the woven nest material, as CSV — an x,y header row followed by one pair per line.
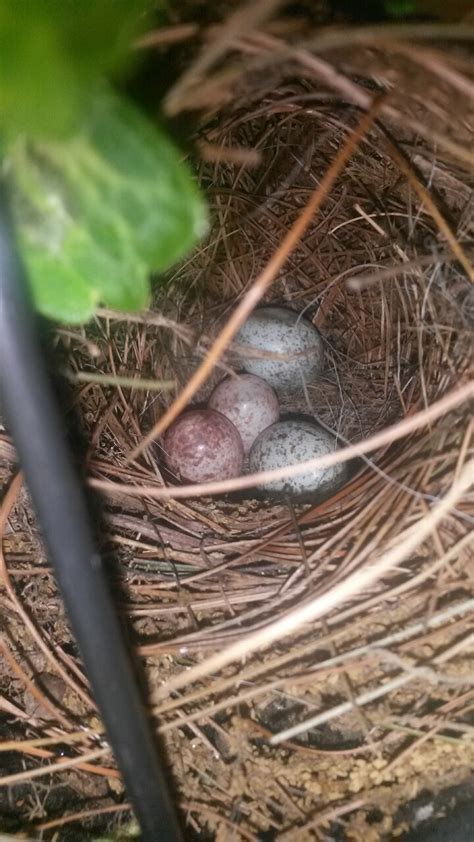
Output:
x,y
347,618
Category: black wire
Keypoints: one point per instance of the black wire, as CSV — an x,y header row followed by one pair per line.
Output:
x,y
29,405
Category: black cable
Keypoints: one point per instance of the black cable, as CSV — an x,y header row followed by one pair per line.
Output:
x,y
29,405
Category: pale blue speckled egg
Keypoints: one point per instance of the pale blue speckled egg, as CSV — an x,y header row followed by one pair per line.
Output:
x,y
292,441
282,347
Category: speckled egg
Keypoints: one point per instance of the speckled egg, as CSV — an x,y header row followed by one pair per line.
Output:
x,y
292,441
295,344
249,402
203,445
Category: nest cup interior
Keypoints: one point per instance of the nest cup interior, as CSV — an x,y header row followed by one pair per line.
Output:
x,y
394,338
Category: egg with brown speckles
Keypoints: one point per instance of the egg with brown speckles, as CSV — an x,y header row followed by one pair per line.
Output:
x,y
292,441
249,402
202,446
282,347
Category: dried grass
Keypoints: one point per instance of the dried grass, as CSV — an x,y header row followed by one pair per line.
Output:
x,y
295,655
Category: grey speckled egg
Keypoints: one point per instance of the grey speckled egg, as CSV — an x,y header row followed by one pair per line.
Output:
x,y
249,402
295,344
202,445
292,441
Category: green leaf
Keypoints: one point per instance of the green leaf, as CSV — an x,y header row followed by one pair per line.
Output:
x,y
52,51
400,8
122,834
97,213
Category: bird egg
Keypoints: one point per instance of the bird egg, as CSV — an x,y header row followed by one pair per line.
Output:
x,y
292,441
203,445
249,402
280,346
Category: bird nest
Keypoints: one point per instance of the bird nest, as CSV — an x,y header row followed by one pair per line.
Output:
x,y
306,664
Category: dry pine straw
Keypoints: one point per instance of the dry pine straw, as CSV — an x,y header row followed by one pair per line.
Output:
x,y
194,575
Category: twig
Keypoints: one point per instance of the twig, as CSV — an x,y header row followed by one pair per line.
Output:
x,y
244,19
119,380
64,763
84,814
320,606
410,674
5,510
427,199
322,818
167,35
407,633
359,282
424,735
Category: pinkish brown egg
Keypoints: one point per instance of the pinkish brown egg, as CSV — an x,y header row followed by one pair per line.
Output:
x,y
203,445
249,402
